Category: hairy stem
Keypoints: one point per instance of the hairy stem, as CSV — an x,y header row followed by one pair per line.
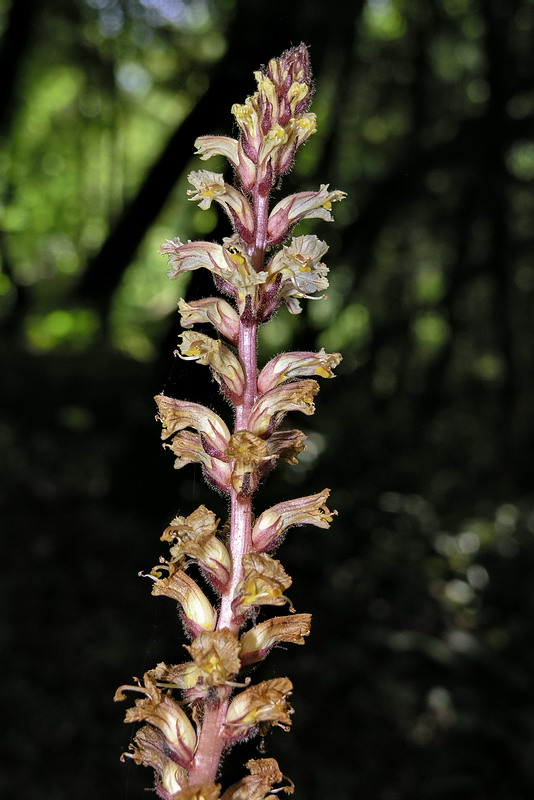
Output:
x,y
211,738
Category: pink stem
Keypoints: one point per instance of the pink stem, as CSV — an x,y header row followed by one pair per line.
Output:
x,y
211,738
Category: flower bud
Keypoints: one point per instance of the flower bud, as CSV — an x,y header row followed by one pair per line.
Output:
x,y
270,526
259,640
296,365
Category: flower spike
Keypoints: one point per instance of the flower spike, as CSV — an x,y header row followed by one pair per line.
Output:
x,y
258,267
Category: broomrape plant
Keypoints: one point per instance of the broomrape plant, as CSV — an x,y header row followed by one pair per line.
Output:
x,y
258,268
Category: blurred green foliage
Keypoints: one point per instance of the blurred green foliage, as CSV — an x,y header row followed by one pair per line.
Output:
x,y
416,682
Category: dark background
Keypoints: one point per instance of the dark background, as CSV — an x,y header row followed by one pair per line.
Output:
x,y
417,679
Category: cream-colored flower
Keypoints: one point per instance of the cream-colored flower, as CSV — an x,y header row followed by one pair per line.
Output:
x,y
164,713
271,526
264,774
199,615
210,309
149,748
268,412
296,207
259,640
209,187
194,537
262,704
264,581
175,415
298,364
300,270
212,352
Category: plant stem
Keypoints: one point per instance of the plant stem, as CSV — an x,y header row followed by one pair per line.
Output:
x,y
211,738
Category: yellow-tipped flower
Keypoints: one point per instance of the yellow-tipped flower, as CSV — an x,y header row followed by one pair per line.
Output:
x,y
271,526
299,364
269,411
194,536
199,615
211,309
262,704
164,713
259,640
264,774
150,749
211,352
264,582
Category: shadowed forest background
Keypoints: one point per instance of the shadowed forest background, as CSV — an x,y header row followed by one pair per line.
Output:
x,y
417,680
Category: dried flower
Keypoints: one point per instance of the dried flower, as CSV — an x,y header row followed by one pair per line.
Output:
x,y
163,713
263,704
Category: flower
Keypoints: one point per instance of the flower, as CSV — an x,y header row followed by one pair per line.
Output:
x,y
194,536
210,309
164,713
270,526
264,581
188,449
150,749
259,640
248,453
296,207
216,654
197,611
215,663
224,365
268,412
299,271
264,773
175,415
230,265
262,704
210,186
232,149
296,365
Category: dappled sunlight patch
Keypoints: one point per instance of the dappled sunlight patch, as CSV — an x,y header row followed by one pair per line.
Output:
x,y
68,329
